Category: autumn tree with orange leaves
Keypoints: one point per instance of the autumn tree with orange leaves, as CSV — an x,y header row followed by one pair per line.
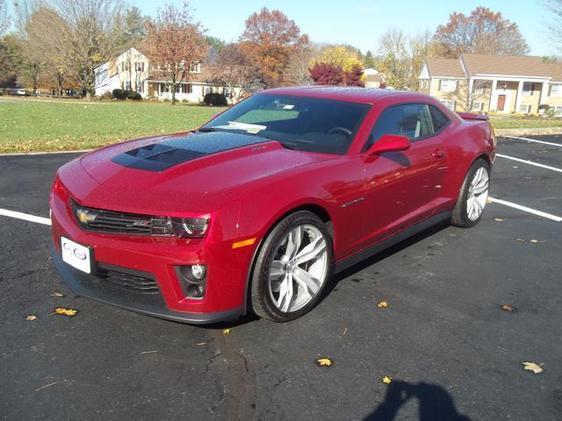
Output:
x,y
174,43
481,32
269,40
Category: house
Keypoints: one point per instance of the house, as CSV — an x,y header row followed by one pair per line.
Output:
x,y
373,78
502,84
133,71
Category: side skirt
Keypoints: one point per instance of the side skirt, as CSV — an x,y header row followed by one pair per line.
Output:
x,y
389,242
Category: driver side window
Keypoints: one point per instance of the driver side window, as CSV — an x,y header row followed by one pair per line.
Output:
x,y
410,120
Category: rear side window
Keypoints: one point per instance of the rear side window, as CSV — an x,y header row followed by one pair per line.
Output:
x,y
410,120
440,120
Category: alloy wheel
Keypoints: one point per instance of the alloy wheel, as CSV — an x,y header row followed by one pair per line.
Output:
x,y
477,194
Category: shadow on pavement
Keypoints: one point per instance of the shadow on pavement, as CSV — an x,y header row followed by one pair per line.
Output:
x,y
435,403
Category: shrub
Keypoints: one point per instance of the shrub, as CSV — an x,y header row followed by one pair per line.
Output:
x,y
215,99
119,94
327,74
132,95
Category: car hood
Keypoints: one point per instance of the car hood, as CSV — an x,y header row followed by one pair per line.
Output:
x,y
181,173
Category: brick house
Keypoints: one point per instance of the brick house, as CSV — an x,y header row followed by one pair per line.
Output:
x,y
503,84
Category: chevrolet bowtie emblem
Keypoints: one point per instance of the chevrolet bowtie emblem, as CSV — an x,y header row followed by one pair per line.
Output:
x,y
85,216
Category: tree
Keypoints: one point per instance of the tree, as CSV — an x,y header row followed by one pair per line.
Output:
x,y
4,18
396,61
327,74
129,29
369,61
555,7
339,55
270,38
420,49
297,70
232,67
175,43
481,32
354,77
9,55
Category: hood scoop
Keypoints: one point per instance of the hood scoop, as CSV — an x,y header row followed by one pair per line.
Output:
x,y
163,155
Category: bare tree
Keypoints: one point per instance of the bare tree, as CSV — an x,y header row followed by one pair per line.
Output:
x,y
88,39
299,64
555,25
396,62
4,18
233,68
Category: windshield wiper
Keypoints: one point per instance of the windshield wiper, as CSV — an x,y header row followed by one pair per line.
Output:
x,y
290,146
207,129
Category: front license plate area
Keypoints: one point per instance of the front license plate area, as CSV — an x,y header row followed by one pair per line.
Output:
x,y
76,255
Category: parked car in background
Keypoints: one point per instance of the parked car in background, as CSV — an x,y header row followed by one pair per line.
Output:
x,y
257,209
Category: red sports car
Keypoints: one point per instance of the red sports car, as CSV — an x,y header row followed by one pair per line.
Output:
x,y
256,209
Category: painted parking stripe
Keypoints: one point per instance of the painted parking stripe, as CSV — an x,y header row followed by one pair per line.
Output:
x,y
535,141
526,209
526,161
25,217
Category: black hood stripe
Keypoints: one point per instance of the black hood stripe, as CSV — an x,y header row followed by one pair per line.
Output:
x,y
163,155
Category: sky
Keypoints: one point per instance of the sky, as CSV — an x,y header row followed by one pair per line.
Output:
x,y
361,22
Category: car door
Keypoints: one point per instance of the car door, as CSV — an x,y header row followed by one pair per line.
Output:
x,y
402,188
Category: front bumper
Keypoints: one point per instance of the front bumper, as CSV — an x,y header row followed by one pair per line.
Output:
x,y
157,259
91,286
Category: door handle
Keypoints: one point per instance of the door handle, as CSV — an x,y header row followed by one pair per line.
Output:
x,y
438,154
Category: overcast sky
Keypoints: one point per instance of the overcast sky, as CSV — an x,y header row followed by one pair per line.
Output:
x,y
361,22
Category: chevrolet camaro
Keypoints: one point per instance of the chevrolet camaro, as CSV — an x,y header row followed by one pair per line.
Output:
x,y
255,210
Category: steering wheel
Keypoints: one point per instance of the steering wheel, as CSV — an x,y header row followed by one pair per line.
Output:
x,y
335,130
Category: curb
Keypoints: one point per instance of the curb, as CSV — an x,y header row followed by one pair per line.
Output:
x,y
529,131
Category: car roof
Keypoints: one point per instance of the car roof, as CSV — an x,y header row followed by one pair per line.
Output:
x,y
344,93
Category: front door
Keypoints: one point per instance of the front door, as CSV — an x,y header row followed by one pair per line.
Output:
x,y
501,102
402,188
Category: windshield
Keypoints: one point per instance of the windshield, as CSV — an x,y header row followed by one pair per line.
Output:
x,y
310,124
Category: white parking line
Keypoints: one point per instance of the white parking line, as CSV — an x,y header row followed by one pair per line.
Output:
x,y
534,140
526,209
526,161
25,217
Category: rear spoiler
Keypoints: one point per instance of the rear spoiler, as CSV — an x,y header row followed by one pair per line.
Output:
x,y
472,116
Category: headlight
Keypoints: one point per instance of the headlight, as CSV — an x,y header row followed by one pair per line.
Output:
x,y
190,227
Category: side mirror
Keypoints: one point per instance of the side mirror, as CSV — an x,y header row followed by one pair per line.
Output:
x,y
388,143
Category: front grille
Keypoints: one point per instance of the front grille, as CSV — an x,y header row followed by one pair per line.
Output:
x,y
132,282
119,222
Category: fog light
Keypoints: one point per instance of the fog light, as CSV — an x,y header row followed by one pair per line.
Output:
x,y
198,272
192,279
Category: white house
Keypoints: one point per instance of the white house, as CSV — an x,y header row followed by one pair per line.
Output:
x,y
132,70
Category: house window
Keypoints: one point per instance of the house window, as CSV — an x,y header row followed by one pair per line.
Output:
x,y
478,106
447,85
189,88
195,68
164,88
556,89
139,66
424,83
127,85
140,87
558,111
525,108
528,88
449,103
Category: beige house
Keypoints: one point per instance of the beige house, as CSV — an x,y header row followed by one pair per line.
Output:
x,y
133,71
503,84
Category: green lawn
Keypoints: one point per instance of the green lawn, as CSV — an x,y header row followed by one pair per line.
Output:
x,y
523,122
37,125
41,125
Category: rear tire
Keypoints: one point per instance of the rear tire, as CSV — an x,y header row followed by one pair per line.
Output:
x,y
472,196
292,268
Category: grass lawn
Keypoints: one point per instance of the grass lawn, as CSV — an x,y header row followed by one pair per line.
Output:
x,y
523,122
39,125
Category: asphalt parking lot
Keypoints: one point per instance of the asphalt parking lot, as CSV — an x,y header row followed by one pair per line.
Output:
x,y
450,349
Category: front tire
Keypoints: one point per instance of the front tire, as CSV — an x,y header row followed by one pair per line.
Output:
x,y
473,195
292,268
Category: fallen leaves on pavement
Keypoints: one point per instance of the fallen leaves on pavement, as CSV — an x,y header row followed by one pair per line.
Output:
x,y
226,332
31,317
499,219
68,312
534,367
507,307
386,380
324,362
57,294
382,304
